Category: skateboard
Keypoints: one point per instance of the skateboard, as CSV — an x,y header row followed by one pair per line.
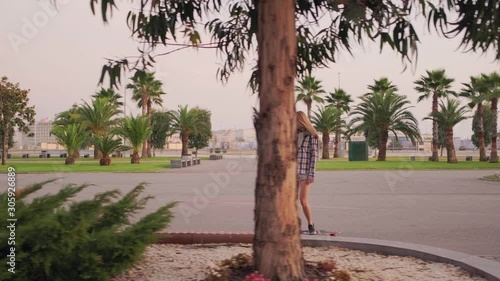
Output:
x,y
322,232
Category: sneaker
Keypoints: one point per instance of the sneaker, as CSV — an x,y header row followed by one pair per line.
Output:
x,y
312,230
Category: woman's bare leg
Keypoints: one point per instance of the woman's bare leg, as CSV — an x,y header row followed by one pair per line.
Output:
x,y
303,192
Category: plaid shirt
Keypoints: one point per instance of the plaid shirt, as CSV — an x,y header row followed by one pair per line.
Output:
x,y
307,155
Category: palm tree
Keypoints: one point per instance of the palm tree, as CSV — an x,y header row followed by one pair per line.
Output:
x,y
436,86
106,145
380,113
327,120
72,136
492,94
382,85
70,116
186,122
309,91
136,131
450,114
146,92
475,91
340,100
111,95
98,118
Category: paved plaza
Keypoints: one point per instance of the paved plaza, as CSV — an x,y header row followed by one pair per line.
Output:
x,y
448,209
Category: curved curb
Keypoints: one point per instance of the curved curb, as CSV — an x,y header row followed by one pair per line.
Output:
x,y
490,270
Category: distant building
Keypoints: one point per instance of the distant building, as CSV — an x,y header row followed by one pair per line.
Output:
x,y
41,137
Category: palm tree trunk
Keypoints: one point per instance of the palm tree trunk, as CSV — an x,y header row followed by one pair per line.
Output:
x,y
185,140
326,141
5,147
97,153
480,117
309,105
144,100
382,147
69,160
450,146
435,135
276,243
494,115
336,144
105,161
148,142
135,159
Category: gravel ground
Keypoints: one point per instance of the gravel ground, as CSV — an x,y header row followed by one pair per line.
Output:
x,y
190,262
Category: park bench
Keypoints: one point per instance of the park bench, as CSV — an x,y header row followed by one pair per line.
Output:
x,y
468,158
196,161
215,157
63,155
26,155
86,155
178,163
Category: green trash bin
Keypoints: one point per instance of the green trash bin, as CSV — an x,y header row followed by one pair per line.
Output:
x,y
358,151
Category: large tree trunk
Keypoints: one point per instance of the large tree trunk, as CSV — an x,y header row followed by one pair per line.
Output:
x,y
326,142
435,135
276,244
480,135
185,141
450,146
382,146
336,144
494,116
5,148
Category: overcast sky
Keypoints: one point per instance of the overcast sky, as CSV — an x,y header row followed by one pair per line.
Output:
x,y
58,55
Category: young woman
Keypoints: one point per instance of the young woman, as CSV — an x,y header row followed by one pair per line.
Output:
x,y
307,155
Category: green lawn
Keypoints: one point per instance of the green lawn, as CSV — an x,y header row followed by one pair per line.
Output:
x,y
398,163
155,164
56,165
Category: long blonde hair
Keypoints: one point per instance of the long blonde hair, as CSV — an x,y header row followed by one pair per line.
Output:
x,y
304,121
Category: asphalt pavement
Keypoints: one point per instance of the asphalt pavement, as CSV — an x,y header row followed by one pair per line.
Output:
x,y
454,210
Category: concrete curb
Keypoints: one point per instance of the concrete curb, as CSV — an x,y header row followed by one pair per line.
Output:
x,y
475,265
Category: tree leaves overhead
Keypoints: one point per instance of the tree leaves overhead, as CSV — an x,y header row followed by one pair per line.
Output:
x,y
324,27
478,21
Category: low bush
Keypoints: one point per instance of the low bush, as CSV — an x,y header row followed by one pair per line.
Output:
x,y
60,240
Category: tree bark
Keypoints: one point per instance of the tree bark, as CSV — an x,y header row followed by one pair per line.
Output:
x,y
185,141
135,159
382,147
326,142
450,147
148,142
336,145
5,148
494,115
435,135
480,135
309,105
144,113
276,244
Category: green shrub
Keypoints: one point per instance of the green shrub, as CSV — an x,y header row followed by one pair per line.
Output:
x,y
60,240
